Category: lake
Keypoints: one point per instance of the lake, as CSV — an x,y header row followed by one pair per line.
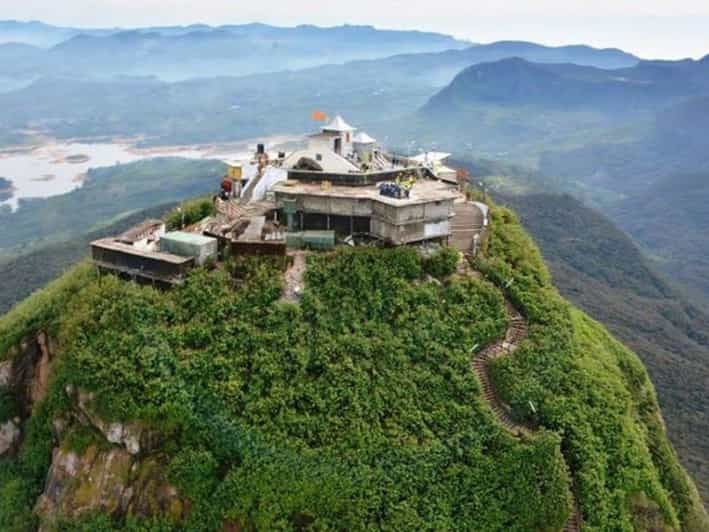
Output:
x,y
56,167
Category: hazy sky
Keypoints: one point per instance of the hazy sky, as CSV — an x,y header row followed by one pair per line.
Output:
x,y
650,28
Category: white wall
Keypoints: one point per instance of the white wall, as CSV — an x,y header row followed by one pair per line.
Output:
x,y
270,178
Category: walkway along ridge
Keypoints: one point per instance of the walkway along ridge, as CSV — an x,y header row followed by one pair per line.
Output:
x,y
295,278
516,333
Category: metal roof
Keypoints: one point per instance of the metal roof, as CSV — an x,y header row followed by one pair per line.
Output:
x,y
189,238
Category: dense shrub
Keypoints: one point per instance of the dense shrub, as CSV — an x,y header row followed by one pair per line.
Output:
x,y
190,212
8,404
356,409
43,309
442,263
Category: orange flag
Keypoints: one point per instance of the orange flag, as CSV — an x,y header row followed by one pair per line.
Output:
x,y
319,116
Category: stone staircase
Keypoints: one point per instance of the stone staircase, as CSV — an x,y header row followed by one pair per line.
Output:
x,y
517,331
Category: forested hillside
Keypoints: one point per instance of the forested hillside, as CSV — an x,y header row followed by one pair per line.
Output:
x,y
600,269
356,408
659,184
32,270
671,219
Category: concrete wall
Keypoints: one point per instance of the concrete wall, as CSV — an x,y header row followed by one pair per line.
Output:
x,y
395,224
409,233
126,262
426,212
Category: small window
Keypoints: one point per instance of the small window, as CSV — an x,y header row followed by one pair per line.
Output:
x,y
318,157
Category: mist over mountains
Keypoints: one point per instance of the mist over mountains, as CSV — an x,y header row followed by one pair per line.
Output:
x,y
174,53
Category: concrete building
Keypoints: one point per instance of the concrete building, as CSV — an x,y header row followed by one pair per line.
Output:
x,y
342,180
112,255
363,210
147,253
201,248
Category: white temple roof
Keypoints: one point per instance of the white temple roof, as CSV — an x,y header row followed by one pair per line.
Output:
x,y
363,138
338,124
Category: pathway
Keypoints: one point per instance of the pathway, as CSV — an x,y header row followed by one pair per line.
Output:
x,y
295,278
517,331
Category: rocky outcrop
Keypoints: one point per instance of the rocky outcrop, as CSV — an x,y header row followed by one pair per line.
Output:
x,y
6,373
115,474
39,382
134,437
25,374
27,369
9,436
107,480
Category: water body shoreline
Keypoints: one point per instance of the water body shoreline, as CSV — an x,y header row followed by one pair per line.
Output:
x,y
51,167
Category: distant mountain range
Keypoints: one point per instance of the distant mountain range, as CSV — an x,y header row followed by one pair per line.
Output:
x,y
174,53
31,50
516,81
229,108
518,110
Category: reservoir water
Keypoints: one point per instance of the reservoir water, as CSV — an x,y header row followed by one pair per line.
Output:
x,y
59,167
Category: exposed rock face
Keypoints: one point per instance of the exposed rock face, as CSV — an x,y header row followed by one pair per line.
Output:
x,y
116,475
9,437
26,374
27,370
6,373
107,480
133,436
39,383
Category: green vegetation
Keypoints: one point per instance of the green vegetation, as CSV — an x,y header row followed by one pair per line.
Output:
x,y
8,405
357,408
598,268
670,219
22,480
571,376
44,309
190,212
442,263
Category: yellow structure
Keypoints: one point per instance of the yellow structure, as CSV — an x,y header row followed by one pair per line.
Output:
x,y
234,171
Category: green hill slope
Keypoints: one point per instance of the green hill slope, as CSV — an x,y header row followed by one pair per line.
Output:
x,y
602,271
355,409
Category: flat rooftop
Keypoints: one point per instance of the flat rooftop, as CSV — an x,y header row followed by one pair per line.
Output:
x,y
187,238
424,191
114,245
